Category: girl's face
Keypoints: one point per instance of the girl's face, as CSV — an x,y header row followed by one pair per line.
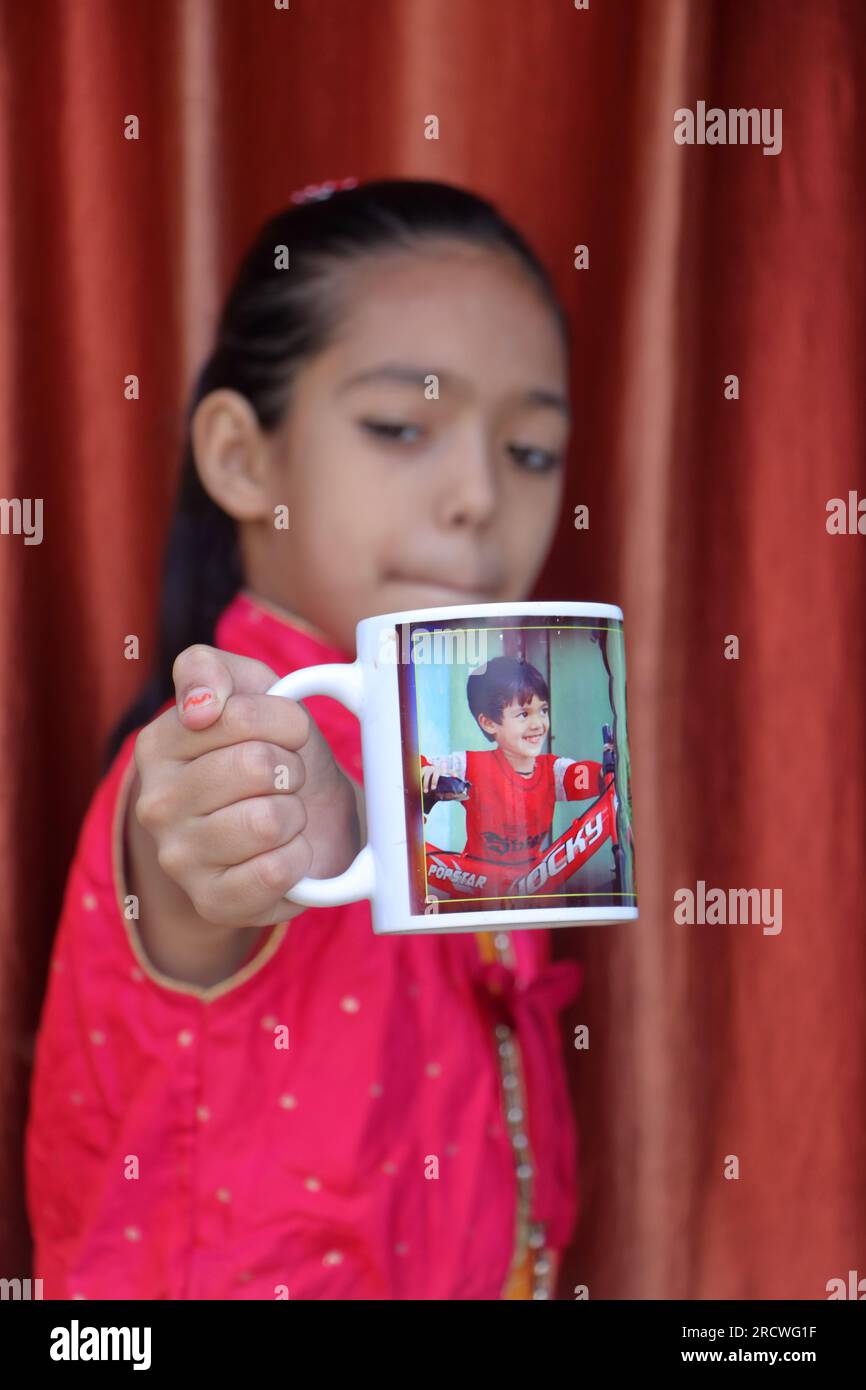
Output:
x,y
421,457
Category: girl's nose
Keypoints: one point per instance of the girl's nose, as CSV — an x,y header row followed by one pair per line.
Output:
x,y
468,491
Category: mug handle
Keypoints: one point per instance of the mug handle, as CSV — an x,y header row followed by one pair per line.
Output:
x,y
344,681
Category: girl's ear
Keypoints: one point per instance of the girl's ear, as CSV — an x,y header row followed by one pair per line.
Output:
x,y
231,454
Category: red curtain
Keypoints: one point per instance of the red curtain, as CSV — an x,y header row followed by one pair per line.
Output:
x,y
707,515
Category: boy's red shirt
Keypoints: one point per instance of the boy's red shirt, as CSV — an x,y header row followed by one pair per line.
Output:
x,y
509,813
174,1151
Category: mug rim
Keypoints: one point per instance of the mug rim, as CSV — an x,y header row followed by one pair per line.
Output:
x,y
538,607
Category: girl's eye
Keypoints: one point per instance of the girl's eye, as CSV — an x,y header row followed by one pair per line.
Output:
x,y
392,429
535,460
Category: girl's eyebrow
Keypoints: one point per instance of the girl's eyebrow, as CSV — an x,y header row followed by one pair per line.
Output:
x,y
418,376
393,371
538,395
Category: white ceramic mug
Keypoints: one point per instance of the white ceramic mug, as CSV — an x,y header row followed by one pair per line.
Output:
x,y
518,713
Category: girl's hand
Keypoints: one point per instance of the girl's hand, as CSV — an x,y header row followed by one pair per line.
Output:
x,y
240,792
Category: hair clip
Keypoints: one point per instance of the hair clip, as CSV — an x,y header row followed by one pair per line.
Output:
x,y
317,192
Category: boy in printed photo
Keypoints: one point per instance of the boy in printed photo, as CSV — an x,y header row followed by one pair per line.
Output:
x,y
509,792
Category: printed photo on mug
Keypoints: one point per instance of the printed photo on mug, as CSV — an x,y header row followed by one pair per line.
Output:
x,y
516,768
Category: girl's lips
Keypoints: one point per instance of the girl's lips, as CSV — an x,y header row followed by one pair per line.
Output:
x,y
428,593
480,588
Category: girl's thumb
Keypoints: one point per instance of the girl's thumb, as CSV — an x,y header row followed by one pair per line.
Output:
x,y
202,685
199,707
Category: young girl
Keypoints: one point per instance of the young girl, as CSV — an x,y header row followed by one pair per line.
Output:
x,y
235,1097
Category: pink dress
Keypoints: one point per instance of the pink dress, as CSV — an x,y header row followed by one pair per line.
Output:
x,y
414,1140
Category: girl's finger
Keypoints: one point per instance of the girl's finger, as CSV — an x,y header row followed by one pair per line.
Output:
x,y
228,775
205,677
244,717
256,887
247,829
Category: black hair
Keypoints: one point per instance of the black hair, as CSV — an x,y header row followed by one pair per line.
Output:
x,y
275,320
498,682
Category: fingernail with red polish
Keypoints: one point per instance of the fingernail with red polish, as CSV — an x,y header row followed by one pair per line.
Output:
x,y
199,695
